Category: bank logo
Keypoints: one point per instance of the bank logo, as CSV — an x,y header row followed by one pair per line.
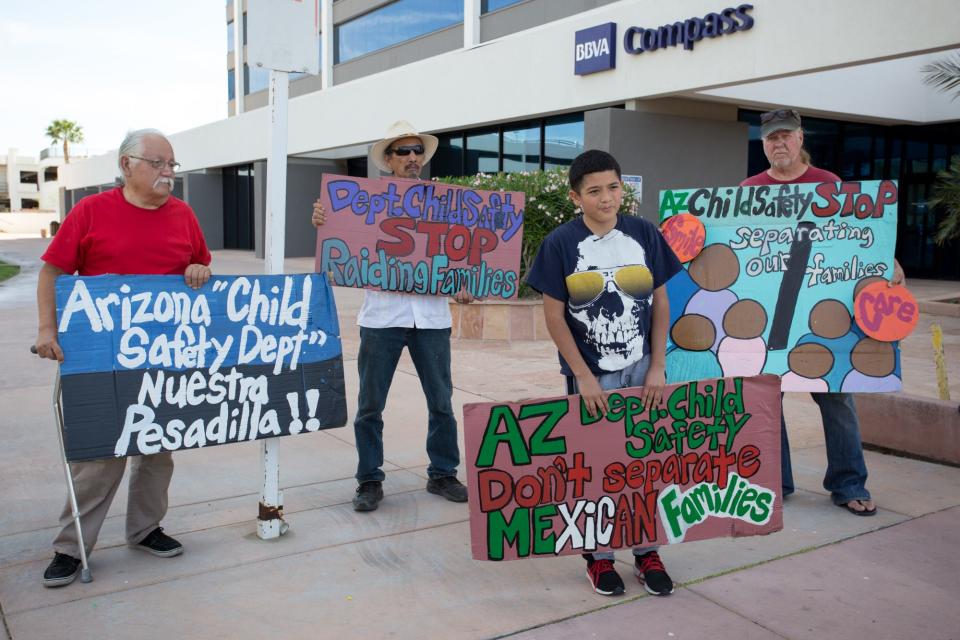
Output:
x,y
595,49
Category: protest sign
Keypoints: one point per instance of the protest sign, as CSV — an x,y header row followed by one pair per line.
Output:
x,y
773,289
546,479
152,365
420,237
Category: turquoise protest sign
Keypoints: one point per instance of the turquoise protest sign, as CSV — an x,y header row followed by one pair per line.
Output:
x,y
773,289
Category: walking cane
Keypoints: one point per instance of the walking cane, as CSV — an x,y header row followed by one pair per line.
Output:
x,y
85,575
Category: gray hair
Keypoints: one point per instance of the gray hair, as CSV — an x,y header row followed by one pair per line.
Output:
x,y
133,145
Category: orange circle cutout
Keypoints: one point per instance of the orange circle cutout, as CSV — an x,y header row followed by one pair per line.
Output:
x,y
685,234
886,313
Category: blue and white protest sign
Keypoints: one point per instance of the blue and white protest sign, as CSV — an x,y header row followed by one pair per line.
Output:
x,y
151,365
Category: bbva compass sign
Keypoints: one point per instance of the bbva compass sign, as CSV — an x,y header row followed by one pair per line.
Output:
x,y
595,49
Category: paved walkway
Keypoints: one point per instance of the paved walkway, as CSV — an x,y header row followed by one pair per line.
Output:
x,y
405,571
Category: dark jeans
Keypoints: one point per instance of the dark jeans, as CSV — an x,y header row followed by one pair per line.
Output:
x,y
380,351
846,476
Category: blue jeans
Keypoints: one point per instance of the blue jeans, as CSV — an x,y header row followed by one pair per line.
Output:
x,y
846,476
632,376
380,351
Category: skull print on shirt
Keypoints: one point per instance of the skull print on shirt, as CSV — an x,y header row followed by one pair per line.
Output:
x,y
610,294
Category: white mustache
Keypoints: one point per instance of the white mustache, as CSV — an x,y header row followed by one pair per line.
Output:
x,y
163,180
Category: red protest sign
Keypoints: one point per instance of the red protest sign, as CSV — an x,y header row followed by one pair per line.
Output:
x,y
886,313
546,479
420,237
685,234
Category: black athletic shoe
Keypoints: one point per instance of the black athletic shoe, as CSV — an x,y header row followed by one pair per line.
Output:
x,y
448,487
61,571
369,495
603,577
650,572
160,544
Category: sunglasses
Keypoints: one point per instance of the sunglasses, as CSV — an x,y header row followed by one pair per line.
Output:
x,y
406,149
585,287
779,114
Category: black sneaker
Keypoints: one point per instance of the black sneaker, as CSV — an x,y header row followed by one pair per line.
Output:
x,y
160,544
650,572
448,487
369,495
603,577
61,571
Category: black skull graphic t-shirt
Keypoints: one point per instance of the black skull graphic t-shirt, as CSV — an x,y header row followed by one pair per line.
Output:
x,y
607,283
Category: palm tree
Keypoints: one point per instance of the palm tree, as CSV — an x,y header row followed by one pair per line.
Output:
x,y
945,75
68,131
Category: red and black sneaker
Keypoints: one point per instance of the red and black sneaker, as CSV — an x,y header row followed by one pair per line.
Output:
x,y
650,572
603,577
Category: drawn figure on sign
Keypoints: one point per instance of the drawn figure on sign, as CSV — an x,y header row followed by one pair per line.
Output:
x,y
743,351
808,364
874,364
692,359
136,228
714,270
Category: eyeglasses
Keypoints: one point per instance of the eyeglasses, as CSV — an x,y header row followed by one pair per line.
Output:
x,y
779,114
407,149
584,287
173,165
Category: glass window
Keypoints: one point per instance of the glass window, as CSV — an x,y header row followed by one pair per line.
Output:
x,y
230,35
255,78
448,160
231,85
521,148
492,5
562,140
483,153
879,156
916,156
244,29
939,157
395,23
855,162
820,137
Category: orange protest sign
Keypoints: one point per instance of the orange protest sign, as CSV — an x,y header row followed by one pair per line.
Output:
x,y
685,234
886,313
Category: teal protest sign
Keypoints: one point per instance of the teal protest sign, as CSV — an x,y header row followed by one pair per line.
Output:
x,y
773,289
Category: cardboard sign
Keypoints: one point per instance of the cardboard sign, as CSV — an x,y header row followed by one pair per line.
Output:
x,y
547,479
685,234
886,313
151,365
420,237
772,291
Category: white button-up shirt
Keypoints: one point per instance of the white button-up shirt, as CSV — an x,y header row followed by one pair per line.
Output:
x,y
386,309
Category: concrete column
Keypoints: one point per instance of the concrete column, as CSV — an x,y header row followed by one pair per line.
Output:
x,y
239,55
326,37
471,23
13,180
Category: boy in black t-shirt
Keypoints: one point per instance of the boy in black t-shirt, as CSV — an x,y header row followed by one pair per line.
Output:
x,y
602,277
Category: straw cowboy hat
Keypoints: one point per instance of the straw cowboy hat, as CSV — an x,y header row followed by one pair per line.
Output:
x,y
402,129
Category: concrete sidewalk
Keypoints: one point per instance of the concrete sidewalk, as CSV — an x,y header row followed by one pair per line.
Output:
x,y
404,571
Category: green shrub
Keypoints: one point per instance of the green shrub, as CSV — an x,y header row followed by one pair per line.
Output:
x,y
547,206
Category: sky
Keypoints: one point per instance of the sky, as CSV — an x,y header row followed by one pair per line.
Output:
x,y
111,67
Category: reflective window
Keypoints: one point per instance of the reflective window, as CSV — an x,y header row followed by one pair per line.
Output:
x,y
562,140
395,23
483,153
492,5
255,78
855,161
231,85
230,34
448,160
521,148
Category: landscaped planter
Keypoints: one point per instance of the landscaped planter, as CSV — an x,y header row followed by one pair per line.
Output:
x,y
499,320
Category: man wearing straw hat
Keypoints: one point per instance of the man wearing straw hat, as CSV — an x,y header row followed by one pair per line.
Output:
x,y
390,321
137,228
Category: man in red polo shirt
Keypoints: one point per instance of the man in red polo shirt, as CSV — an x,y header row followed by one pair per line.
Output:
x,y
846,475
138,228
